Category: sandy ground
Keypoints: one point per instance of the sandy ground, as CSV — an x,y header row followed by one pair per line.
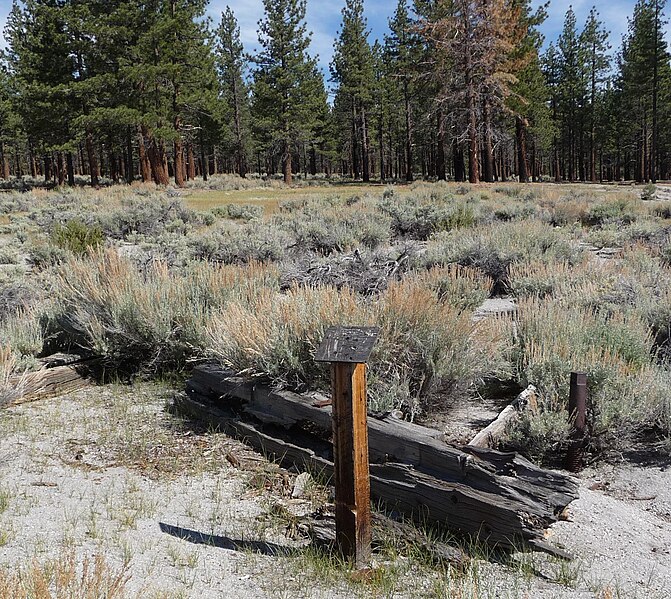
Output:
x,y
182,512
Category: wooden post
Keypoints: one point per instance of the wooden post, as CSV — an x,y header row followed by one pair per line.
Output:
x,y
347,349
352,477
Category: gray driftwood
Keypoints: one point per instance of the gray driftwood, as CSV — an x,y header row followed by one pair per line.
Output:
x,y
491,434
501,497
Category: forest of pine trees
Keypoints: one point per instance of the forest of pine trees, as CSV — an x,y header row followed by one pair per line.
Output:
x,y
457,89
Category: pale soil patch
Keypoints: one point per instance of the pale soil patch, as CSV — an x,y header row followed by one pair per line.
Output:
x,y
108,471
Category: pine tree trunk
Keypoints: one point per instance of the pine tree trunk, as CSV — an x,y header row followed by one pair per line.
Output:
x,y
408,134
179,159
32,162
440,154
286,159
94,169
130,173
520,130
354,167
145,165
192,162
71,169
47,168
5,162
204,161
365,146
60,169
458,159
156,156
114,173
240,158
488,152
471,108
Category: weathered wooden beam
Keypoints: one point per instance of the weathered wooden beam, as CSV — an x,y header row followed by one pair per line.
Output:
x,y
493,432
352,476
492,516
544,494
45,383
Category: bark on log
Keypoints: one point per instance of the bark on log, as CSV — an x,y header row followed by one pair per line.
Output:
x,y
501,497
493,432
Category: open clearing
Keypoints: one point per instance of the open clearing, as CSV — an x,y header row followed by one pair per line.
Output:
x,y
108,472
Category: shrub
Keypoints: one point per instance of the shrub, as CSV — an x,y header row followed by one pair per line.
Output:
x,y
649,192
148,216
620,211
240,244
152,320
615,349
419,220
425,344
245,212
77,237
492,249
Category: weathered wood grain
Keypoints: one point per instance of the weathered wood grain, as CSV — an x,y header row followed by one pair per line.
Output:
x,y
493,432
351,464
501,497
45,383
543,493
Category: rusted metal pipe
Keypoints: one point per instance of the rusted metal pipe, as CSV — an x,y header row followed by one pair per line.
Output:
x,y
577,409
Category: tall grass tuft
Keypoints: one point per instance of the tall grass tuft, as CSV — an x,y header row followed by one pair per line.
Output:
x,y
425,344
615,349
64,578
152,319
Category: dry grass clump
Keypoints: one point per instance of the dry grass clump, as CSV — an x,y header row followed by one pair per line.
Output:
x,y
151,320
8,367
615,349
426,345
23,330
63,578
275,335
493,248
462,287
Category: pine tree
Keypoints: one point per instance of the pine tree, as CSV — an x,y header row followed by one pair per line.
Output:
x,y
284,80
527,93
572,93
352,70
11,130
594,39
170,67
403,48
643,65
231,67
40,59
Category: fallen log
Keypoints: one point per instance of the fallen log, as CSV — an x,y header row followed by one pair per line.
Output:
x,y
492,433
48,381
500,497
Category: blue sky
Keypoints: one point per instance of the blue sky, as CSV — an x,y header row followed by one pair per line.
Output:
x,y
323,19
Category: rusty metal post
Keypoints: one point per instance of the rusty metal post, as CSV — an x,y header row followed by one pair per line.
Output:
x,y
347,349
577,409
